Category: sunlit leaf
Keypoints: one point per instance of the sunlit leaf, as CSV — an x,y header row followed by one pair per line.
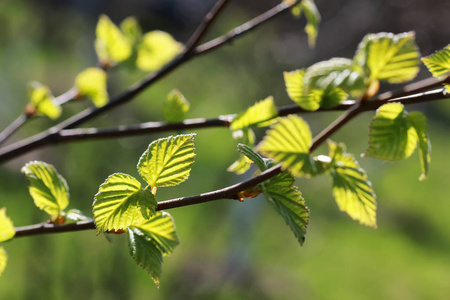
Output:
x,y
175,107
7,231
262,113
390,57
313,20
351,188
298,91
160,229
243,136
3,260
392,136
48,189
146,254
252,155
131,30
167,161
156,50
419,122
288,142
111,45
42,100
120,202
77,215
288,202
92,83
439,64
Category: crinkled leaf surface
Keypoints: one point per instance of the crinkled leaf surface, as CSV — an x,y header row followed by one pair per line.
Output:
x,y
439,64
175,107
262,113
288,202
48,188
390,57
252,155
3,260
419,122
7,231
111,44
42,99
392,136
351,188
288,143
120,202
157,49
167,161
92,83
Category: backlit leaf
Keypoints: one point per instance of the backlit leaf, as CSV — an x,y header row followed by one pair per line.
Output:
x,y
262,113
351,188
252,155
42,100
288,142
157,49
313,20
77,215
111,45
167,161
419,122
298,91
7,231
389,57
392,136
120,202
131,30
175,107
3,260
48,189
439,64
288,202
243,136
92,83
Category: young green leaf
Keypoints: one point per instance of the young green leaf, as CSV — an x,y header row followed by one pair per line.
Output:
x,y
351,188
243,136
389,57
439,64
77,215
262,113
288,202
131,30
167,161
7,231
120,202
252,155
419,122
298,91
3,260
313,20
42,100
92,83
111,45
157,49
175,107
288,142
48,188
392,136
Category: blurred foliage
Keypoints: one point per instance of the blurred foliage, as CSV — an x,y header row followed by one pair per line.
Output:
x,y
228,250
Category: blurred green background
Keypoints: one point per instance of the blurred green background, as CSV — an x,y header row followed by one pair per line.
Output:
x,y
228,250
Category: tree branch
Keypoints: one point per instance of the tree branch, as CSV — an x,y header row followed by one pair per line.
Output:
x,y
13,127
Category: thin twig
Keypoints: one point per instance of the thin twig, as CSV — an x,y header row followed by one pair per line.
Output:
x,y
13,127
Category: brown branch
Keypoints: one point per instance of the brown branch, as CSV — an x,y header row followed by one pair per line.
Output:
x,y
13,127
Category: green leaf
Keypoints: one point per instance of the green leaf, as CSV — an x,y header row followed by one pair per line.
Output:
x,y
48,189
313,20
146,254
392,136
3,260
252,155
439,64
298,91
42,100
288,143
288,202
167,161
77,215
7,231
389,57
351,188
262,113
160,230
92,83
175,107
156,50
131,30
120,202
111,45
244,136
419,122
